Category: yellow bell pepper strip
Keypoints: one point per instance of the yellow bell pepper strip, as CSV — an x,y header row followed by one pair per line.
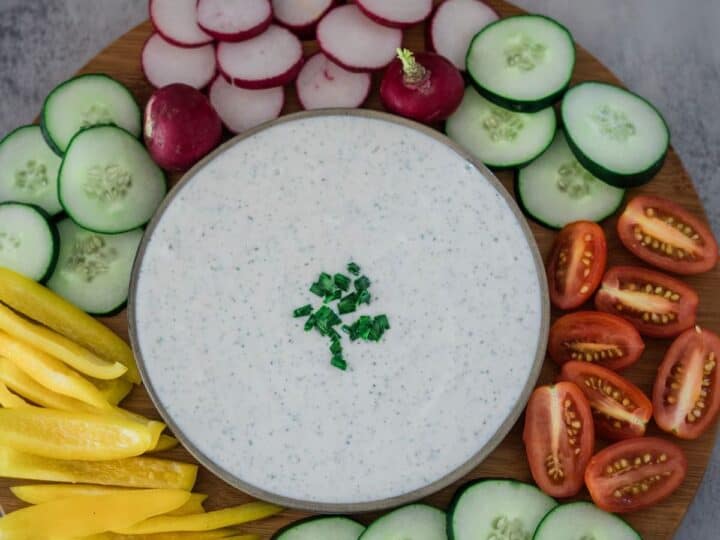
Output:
x,y
83,516
137,472
205,535
165,442
113,391
52,343
10,400
44,306
50,372
193,506
228,517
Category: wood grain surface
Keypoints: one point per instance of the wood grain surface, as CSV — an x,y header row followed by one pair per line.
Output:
x,y
122,60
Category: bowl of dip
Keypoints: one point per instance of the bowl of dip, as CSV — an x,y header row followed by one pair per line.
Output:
x,y
253,396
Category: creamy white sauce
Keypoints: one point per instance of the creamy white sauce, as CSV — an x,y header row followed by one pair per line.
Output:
x,y
234,254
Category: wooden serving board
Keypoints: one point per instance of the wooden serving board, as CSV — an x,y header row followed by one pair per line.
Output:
x,y
122,61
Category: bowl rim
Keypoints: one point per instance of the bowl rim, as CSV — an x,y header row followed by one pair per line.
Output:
x,y
389,502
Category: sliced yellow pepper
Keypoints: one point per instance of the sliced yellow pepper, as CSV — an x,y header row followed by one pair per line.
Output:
x,y
113,391
205,535
138,472
50,372
10,400
43,305
228,517
83,516
165,442
52,343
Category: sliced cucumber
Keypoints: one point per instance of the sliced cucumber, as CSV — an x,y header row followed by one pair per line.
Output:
x,y
583,520
523,63
108,182
498,137
412,522
500,509
84,101
617,135
321,528
93,269
29,169
28,240
556,189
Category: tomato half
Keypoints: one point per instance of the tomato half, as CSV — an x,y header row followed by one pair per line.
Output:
x,y
686,395
596,337
656,304
634,474
576,264
664,234
559,438
620,409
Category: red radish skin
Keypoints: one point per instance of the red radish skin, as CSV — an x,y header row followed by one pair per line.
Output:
x,y
241,109
323,84
356,42
164,63
234,20
454,24
301,17
273,58
396,13
180,127
425,87
176,21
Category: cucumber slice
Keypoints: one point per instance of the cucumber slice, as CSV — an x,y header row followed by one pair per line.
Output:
x,y
523,63
556,189
93,270
617,135
29,170
84,101
108,182
502,509
498,137
414,521
28,240
321,528
583,520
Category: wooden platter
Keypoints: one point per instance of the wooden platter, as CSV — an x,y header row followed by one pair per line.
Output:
x,y
122,60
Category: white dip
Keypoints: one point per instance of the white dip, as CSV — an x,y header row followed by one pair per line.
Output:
x,y
237,248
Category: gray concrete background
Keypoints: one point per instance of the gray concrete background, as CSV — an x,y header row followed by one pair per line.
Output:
x,y
666,50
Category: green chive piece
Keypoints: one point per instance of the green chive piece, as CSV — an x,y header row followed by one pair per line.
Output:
x,y
364,326
331,297
351,331
383,321
342,281
335,346
338,362
353,268
332,333
326,282
310,323
316,289
362,283
327,315
364,297
303,311
348,304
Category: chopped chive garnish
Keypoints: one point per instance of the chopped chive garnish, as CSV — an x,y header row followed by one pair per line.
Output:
x,y
331,297
383,321
310,323
348,304
353,268
315,288
342,281
363,297
335,346
303,311
362,283
332,333
339,362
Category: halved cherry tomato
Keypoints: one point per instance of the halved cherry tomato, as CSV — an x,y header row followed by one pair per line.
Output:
x,y
620,409
656,304
634,474
576,264
559,438
664,234
686,395
596,337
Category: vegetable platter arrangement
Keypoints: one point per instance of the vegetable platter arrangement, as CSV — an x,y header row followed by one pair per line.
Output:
x,y
624,413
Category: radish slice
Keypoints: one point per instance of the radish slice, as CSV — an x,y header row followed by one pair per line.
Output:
x,y
354,41
301,17
398,13
273,58
323,84
242,109
234,20
176,21
454,25
164,63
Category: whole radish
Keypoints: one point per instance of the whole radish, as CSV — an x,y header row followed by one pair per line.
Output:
x,y
425,87
181,127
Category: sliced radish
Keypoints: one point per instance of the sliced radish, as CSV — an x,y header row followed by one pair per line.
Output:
x,y
301,17
164,63
356,42
176,21
273,58
454,25
323,84
234,20
398,13
241,109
